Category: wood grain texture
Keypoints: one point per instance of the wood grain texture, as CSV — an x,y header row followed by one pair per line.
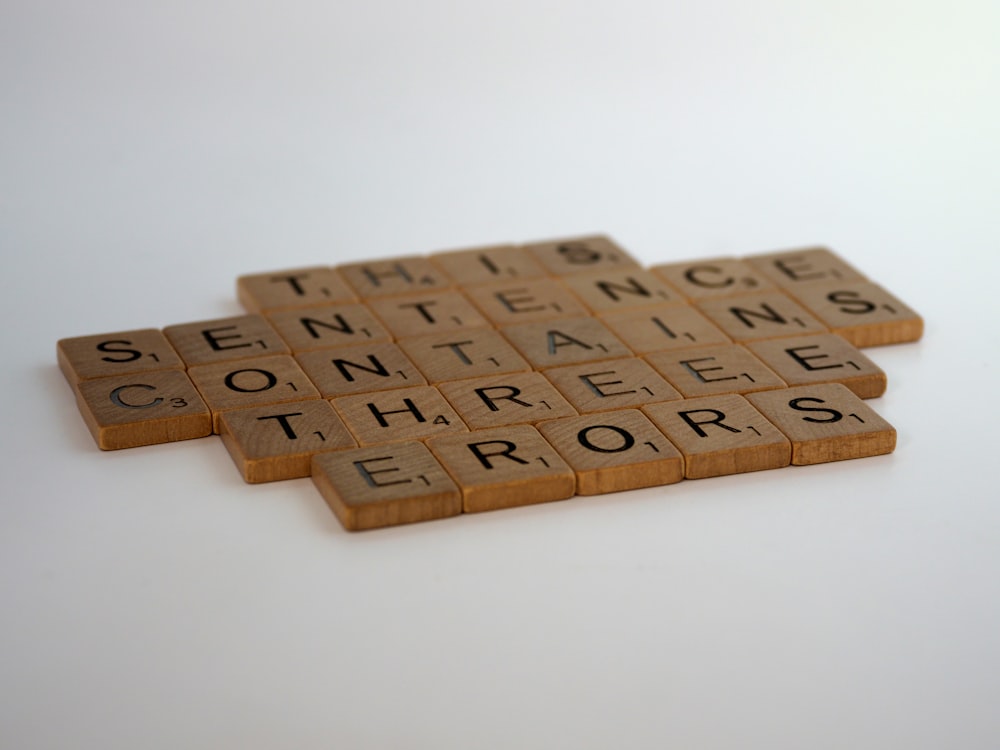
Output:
x,y
863,313
791,268
485,265
664,328
621,289
613,384
386,277
205,342
375,487
713,277
614,451
500,400
123,353
359,369
826,423
463,354
402,414
761,315
251,382
293,288
328,327
270,443
821,358
504,468
573,255
565,341
527,301
429,312
128,411
720,435
710,370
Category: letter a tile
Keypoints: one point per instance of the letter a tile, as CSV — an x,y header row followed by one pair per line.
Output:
x,y
826,423
386,485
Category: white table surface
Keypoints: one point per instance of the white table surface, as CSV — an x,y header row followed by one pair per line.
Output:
x,y
150,154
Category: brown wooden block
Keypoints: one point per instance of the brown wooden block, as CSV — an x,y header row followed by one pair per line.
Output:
x,y
382,278
402,414
713,277
527,301
298,287
664,328
572,255
863,313
124,353
764,315
370,488
613,384
710,370
565,341
826,423
328,327
789,268
269,443
720,435
463,354
430,312
614,451
484,265
127,411
244,383
821,358
359,369
513,398
225,339
621,289
504,468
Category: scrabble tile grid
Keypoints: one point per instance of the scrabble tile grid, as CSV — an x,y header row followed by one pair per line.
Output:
x,y
421,387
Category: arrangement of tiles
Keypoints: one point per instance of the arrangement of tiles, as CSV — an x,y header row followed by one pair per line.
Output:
x,y
422,387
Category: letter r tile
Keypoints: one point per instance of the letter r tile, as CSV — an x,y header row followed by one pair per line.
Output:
x,y
385,485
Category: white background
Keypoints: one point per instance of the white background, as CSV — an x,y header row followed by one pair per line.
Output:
x,y
150,154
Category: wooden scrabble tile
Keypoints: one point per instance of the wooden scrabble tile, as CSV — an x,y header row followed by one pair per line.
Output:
x,y
527,301
863,313
382,278
224,339
484,265
498,400
713,277
821,358
764,315
463,354
720,435
504,468
244,383
789,268
664,328
127,411
123,353
328,327
370,488
565,341
571,255
298,287
400,414
359,369
269,443
429,312
621,289
710,370
826,423
614,451
612,384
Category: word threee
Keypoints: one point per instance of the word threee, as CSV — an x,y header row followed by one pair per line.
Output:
x,y
422,387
